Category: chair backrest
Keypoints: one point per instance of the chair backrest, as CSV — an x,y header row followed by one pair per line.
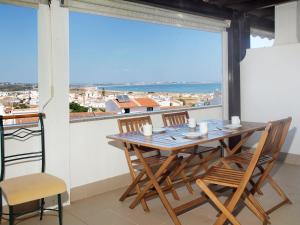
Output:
x,y
174,119
23,134
276,137
133,124
257,153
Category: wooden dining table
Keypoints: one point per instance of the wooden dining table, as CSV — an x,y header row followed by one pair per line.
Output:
x,y
174,141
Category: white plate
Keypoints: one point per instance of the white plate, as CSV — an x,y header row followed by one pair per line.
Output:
x,y
159,130
233,126
192,135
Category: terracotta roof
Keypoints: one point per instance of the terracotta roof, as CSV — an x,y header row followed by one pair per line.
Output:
x,y
26,120
146,102
76,115
123,105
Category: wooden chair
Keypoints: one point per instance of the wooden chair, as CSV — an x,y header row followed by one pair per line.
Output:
x,y
271,150
175,119
153,158
33,187
238,181
190,168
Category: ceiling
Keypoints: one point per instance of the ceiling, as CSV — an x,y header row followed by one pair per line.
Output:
x,y
260,12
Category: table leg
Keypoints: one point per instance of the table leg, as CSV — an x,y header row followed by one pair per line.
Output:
x,y
132,186
243,140
153,182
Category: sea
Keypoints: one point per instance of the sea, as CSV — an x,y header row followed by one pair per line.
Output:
x,y
169,88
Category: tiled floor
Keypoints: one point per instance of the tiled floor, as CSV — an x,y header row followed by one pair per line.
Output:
x,y
107,210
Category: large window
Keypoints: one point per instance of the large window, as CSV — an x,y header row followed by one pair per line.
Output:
x,y
126,66
18,60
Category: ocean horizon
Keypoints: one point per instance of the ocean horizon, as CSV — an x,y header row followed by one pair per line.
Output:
x,y
168,88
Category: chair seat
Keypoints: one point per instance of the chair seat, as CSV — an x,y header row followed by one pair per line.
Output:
x,y
246,156
152,161
223,176
200,149
31,187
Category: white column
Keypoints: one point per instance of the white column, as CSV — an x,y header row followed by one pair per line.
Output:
x,y
53,74
225,74
287,23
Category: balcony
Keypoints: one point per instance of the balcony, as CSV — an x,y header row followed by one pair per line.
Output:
x,y
107,208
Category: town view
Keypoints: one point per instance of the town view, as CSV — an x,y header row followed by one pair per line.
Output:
x,y
113,99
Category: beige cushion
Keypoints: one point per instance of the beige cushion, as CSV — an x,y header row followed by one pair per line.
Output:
x,y
31,187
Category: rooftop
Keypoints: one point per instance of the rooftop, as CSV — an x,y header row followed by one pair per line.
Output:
x,y
136,102
146,102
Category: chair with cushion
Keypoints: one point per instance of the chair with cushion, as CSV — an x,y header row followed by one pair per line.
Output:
x,y
32,187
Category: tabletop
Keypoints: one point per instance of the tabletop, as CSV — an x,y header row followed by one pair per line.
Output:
x,y
174,139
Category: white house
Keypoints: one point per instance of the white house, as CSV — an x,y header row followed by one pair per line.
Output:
x,y
124,104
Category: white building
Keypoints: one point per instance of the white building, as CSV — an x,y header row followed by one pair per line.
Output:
x,y
124,104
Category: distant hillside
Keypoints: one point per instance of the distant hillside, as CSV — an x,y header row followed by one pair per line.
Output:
x,y
16,87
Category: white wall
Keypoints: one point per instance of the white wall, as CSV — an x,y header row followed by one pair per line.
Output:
x,y
94,159
270,84
287,23
270,77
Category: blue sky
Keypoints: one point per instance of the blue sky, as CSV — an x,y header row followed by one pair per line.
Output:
x,y
105,49
18,44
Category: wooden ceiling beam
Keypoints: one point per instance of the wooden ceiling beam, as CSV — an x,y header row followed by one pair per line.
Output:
x,y
190,6
225,2
199,7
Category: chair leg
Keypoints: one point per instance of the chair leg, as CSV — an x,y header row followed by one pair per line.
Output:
x,y
253,205
173,191
280,192
11,215
60,209
187,182
218,203
42,208
132,186
143,200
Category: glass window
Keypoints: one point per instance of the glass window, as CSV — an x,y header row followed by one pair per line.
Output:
x,y
153,66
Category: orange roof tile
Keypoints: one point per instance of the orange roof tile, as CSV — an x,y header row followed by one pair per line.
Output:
x,y
123,105
146,102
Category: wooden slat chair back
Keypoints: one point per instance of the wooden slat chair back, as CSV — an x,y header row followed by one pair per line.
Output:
x,y
238,180
174,119
135,125
152,156
277,136
28,188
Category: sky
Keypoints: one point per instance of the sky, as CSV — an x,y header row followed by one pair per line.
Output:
x,y
106,49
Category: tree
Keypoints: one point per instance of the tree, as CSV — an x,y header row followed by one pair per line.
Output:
x,y
75,107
